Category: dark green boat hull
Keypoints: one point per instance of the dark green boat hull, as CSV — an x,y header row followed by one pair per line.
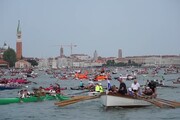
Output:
x,y
4,101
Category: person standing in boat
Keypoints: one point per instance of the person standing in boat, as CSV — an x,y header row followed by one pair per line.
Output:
x,y
108,85
122,87
135,86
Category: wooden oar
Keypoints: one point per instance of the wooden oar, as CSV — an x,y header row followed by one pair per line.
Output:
x,y
156,103
79,100
165,103
75,100
174,103
170,79
168,86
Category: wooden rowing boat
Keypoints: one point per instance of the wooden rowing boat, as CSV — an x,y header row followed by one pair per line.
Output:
x,y
110,100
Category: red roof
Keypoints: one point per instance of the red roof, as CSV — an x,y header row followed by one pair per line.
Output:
x,y
3,62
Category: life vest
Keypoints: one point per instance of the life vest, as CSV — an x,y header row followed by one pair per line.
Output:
x,y
100,88
97,88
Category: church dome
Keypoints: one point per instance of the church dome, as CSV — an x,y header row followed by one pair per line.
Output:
x,y
5,46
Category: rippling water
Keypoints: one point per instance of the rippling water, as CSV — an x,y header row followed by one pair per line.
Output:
x,y
87,110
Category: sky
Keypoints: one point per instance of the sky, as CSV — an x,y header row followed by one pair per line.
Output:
x,y
138,27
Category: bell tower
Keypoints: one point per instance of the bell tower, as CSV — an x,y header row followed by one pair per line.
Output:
x,y
18,43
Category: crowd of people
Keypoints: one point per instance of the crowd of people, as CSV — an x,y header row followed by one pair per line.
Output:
x,y
134,89
37,92
92,86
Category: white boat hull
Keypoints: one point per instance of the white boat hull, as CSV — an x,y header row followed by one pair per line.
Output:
x,y
112,100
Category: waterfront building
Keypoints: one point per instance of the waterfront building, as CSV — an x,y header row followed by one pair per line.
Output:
x,y
54,64
81,57
22,64
4,64
156,60
43,63
63,62
19,43
137,59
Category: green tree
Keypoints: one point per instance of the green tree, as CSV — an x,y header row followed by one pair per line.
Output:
x,y
110,63
129,62
10,56
33,62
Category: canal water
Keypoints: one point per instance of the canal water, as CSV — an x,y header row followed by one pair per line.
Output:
x,y
87,110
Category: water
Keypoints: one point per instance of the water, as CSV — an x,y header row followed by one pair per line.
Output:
x,y
87,110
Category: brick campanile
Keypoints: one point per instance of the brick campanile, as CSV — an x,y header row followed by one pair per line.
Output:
x,y
19,43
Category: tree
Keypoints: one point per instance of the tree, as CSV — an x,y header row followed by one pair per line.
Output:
x,y
110,63
33,62
10,56
129,62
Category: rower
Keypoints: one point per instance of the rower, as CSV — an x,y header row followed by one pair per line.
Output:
x,y
97,89
23,93
100,88
148,91
152,86
81,84
57,88
122,87
161,83
135,87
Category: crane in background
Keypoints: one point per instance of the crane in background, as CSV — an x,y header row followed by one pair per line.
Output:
x,y
71,48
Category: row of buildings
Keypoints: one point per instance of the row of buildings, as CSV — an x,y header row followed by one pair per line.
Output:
x,y
83,60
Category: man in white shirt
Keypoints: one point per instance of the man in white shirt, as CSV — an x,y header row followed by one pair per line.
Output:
x,y
135,86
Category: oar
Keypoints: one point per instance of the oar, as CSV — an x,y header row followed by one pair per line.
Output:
x,y
159,103
72,99
156,103
79,100
79,92
168,86
175,103
68,102
165,103
170,79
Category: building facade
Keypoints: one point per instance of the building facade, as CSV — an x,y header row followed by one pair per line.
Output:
x,y
154,60
22,64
